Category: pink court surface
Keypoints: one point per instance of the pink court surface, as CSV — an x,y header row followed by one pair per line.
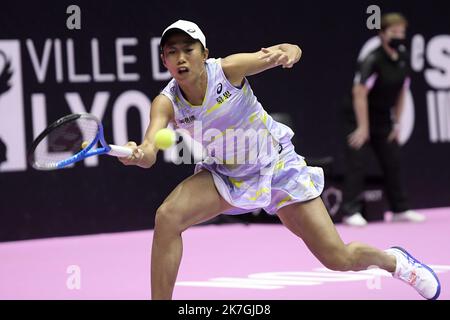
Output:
x,y
231,261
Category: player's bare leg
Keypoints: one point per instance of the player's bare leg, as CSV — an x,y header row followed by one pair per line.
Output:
x,y
193,201
311,222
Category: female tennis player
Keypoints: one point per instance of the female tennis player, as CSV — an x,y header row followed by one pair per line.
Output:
x,y
217,94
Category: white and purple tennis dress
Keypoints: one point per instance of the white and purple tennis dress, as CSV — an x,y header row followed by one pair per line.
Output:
x,y
250,155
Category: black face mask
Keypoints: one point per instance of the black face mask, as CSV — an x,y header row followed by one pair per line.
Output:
x,y
397,44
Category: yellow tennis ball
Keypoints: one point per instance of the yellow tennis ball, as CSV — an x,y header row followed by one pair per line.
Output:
x,y
84,145
164,138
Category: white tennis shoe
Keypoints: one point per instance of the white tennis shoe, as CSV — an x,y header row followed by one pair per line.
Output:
x,y
408,216
418,275
355,220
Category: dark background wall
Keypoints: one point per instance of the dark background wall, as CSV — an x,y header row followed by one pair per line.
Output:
x,y
110,197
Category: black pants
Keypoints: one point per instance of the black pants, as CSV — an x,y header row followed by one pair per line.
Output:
x,y
2,151
388,156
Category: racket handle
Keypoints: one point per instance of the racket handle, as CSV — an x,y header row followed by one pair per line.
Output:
x,y
119,151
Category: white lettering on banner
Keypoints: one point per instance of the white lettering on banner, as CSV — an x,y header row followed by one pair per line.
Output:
x,y
12,120
438,56
438,104
98,76
123,59
432,117
97,109
443,101
124,102
40,60
156,61
40,68
58,61
73,76
437,77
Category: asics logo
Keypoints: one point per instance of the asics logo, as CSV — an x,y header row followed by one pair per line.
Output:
x,y
219,88
280,148
412,278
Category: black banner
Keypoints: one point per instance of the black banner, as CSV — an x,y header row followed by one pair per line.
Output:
x,y
110,67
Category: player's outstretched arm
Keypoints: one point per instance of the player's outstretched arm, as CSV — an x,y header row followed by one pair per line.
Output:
x,y
144,155
238,66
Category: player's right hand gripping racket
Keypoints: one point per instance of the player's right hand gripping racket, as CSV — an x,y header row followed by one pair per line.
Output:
x,y
69,140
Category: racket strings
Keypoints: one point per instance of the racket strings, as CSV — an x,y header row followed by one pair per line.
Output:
x,y
64,141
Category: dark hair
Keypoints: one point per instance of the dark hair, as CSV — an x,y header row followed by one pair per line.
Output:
x,y
390,19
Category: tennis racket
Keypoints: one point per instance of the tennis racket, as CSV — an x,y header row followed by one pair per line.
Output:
x,y
69,140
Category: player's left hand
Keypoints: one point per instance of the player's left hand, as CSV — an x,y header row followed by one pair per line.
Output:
x,y
279,57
